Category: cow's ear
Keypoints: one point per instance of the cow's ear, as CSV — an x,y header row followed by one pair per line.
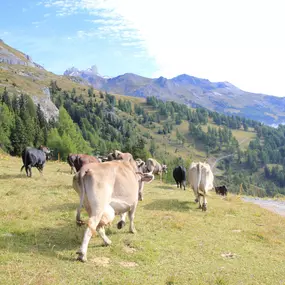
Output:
x,y
147,177
141,164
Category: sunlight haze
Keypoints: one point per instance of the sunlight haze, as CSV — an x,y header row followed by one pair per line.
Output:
x,y
237,41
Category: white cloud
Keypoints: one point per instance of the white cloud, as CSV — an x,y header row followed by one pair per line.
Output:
x,y
238,41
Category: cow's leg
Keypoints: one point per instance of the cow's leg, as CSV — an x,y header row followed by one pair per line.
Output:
x,y
107,217
82,253
30,170
131,217
27,170
204,206
40,169
122,221
183,183
93,223
200,200
196,195
79,222
101,232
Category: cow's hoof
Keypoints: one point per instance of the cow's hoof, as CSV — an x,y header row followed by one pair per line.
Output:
x,y
107,242
204,207
140,197
81,257
121,224
196,200
133,231
80,223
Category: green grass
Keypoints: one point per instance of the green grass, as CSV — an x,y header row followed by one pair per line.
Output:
x,y
232,243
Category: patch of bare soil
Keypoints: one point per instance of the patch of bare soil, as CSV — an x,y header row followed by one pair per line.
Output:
x,y
128,249
128,264
101,261
229,255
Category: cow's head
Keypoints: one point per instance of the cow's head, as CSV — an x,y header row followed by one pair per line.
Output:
x,y
46,150
143,177
164,168
140,164
118,155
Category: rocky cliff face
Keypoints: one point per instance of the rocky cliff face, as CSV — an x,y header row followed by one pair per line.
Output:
x,y
49,109
18,78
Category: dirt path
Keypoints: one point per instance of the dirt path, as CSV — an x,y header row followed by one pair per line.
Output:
x,y
275,206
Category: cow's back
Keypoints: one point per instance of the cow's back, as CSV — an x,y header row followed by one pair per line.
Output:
x,y
83,159
193,175
115,180
33,156
207,178
179,173
201,176
153,165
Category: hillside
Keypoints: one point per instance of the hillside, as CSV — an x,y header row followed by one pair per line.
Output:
x,y
216,96
232,243
97,122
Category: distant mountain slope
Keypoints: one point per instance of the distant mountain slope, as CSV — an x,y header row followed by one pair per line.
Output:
x,y
13,56
219,96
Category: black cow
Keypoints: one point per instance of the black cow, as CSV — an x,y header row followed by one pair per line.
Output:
x,y
179,175
221,190
33,157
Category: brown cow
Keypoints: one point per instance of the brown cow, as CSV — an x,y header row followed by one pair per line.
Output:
x,y
106,190
76,161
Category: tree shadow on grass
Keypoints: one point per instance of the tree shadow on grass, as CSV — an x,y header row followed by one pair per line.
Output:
x,y
164,187
170,205
61,207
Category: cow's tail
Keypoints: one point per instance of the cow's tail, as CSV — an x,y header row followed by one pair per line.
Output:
x,y
199,170
25,160
82,195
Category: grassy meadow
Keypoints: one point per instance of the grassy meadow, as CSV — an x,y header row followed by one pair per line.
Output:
x,y
232,243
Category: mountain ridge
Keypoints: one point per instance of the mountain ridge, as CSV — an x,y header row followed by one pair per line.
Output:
x,y
221,96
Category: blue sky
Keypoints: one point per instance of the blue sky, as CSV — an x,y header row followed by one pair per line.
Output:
x,y
223,40
59,41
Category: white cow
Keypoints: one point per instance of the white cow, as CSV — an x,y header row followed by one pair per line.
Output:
x,y
107,189
153,166
201,180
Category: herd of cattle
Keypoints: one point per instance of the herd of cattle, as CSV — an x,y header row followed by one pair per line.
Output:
x,y
113,185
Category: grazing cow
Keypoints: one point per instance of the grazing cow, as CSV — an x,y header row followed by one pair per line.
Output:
x,y
76,161
70,160
179,175
221,190
151,165
107,189
33,157
201,179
